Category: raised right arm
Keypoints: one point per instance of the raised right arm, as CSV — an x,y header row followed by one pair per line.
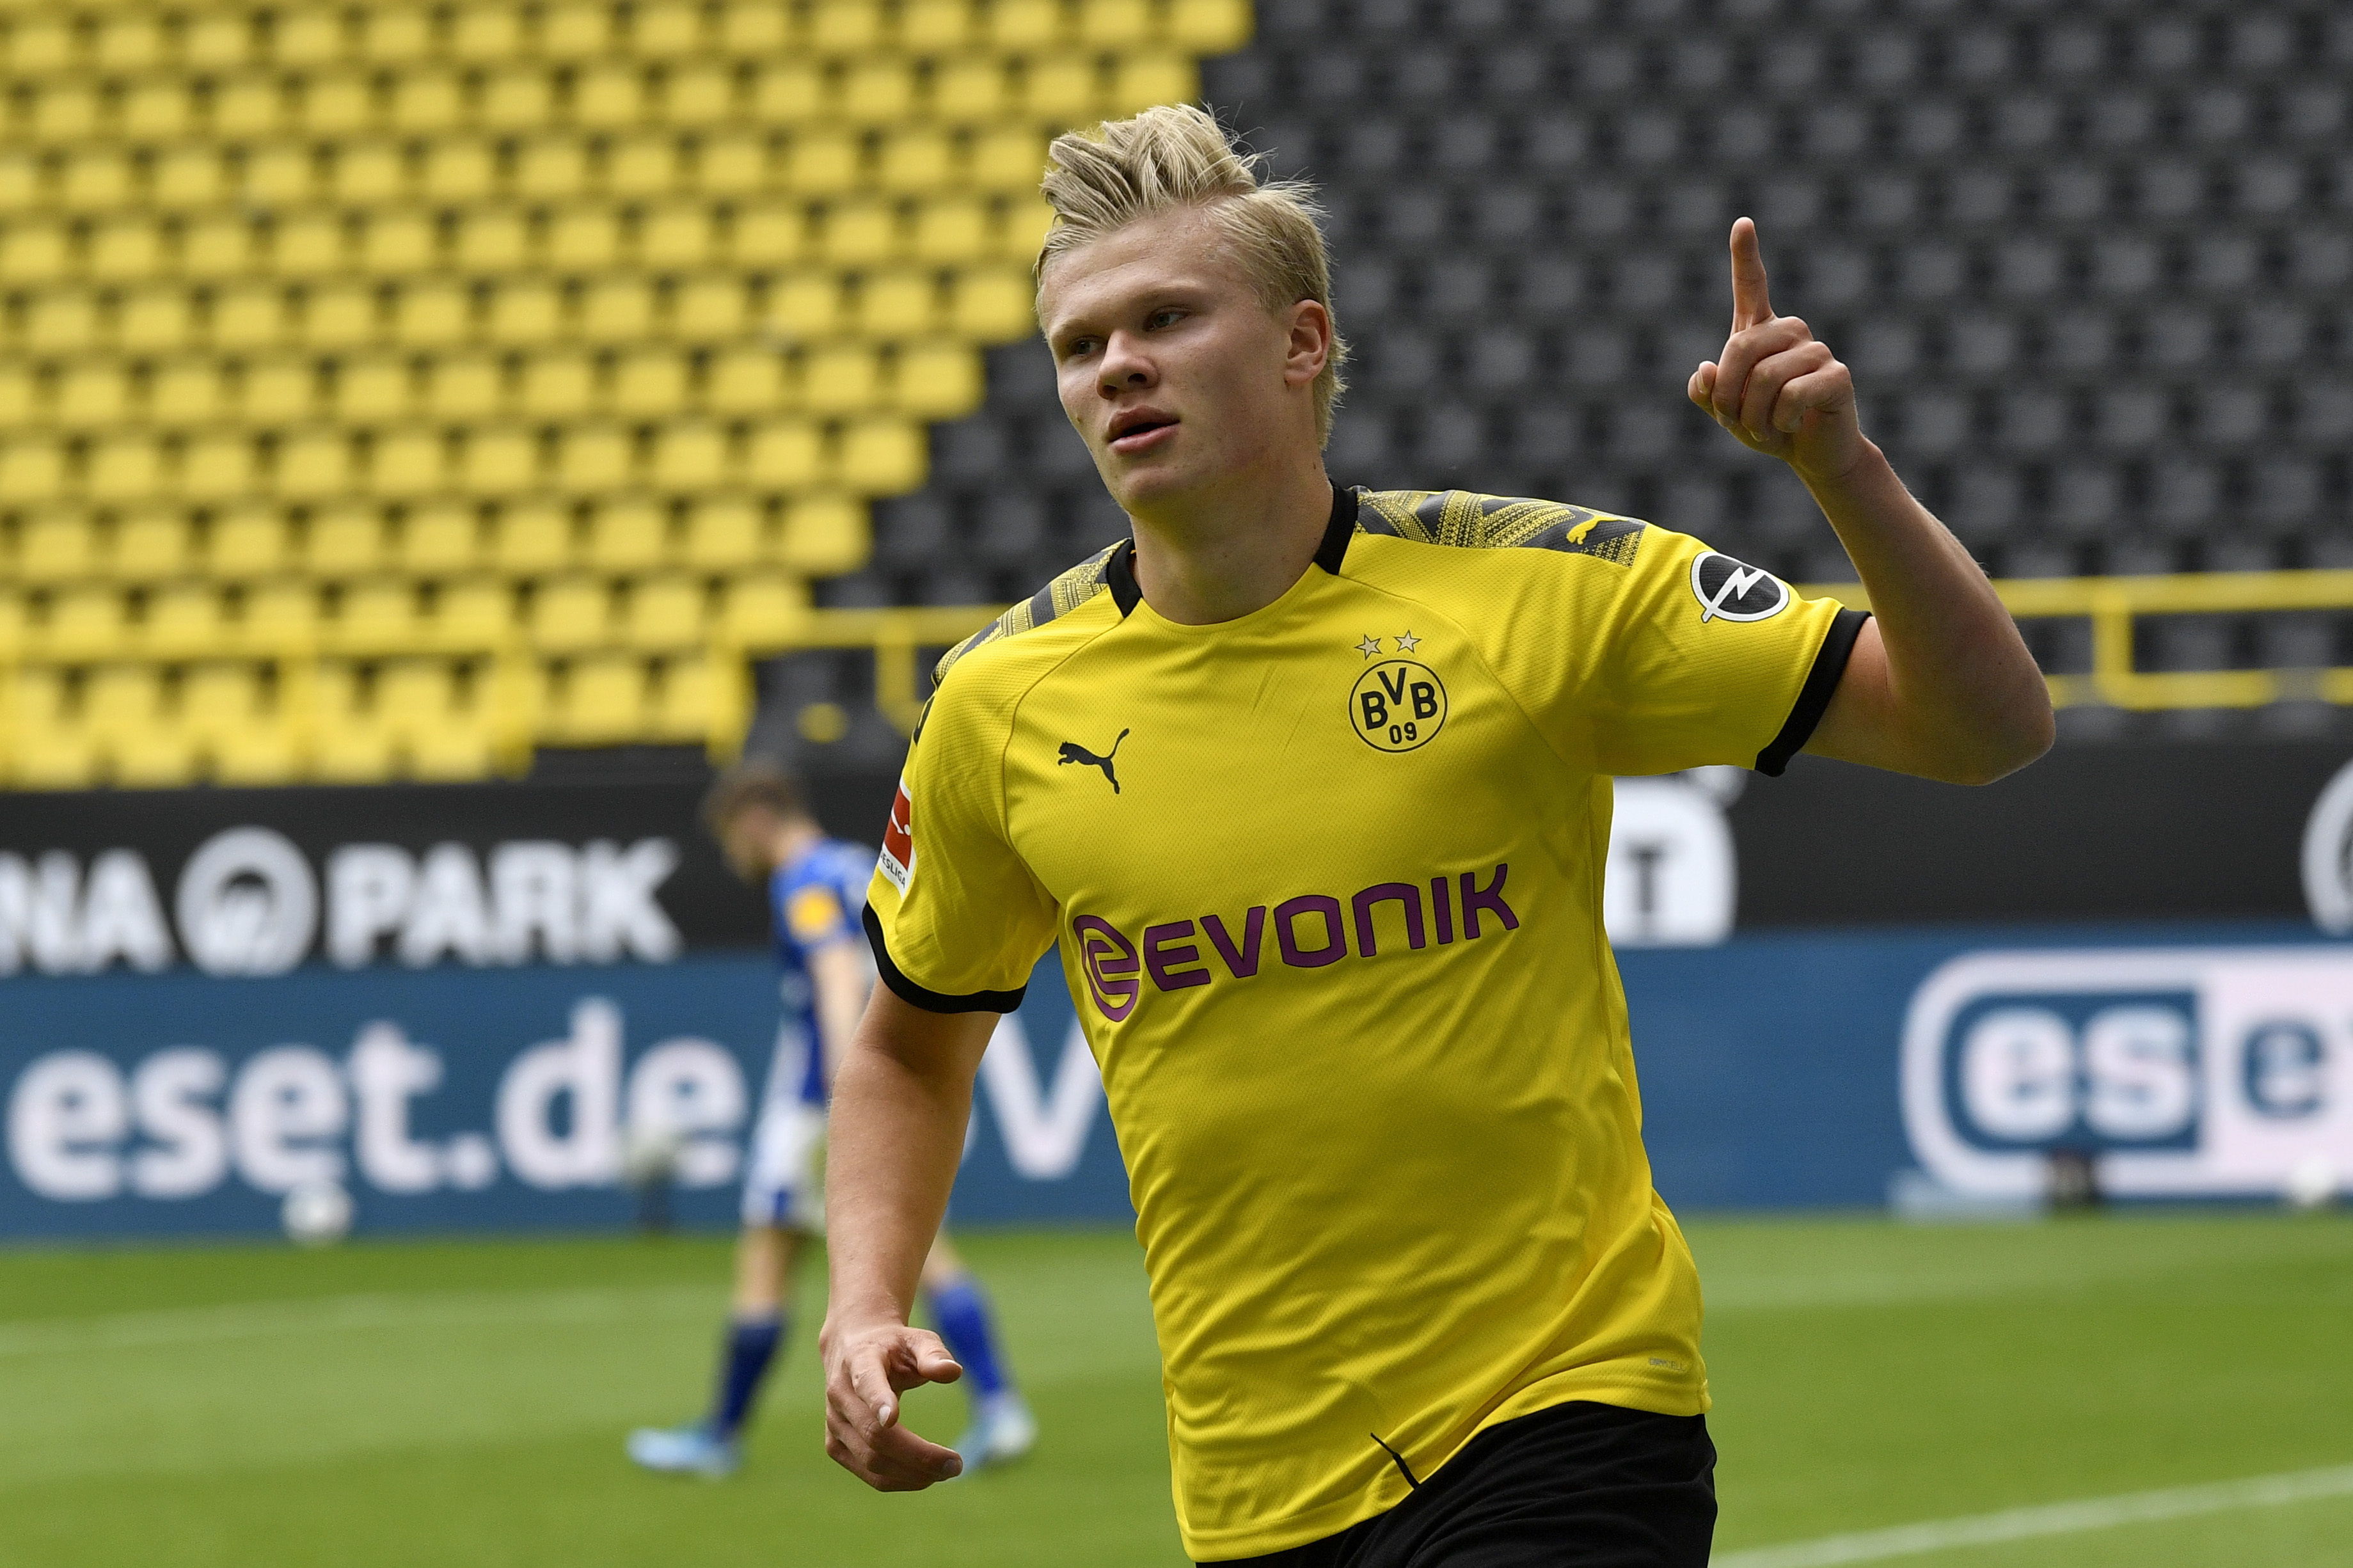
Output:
x,y
900,1100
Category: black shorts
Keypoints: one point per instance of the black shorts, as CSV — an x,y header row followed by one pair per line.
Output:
x,y
1577,1486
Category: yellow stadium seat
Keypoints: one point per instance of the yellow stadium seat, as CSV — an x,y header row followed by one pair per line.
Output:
x,y
88,621
440,539
690,455
531,539
1005,158
219,464
378,616
279,616
551,168
308,244
992,305
339,315
48,748
91,394
710,308
824,162
753,28
64,111
557,384
845,28
825,534
344,542
184,621
697,95
744,381
676,234
493,240
158,110
372,387
627,535
525,313
407,463
155,318
394,244
488,34
152,544
520,99
336,104
723,534
692,697
35,250
126,466
1209,27
278,176
57,546
247,541
937,381
788,92
183,392
11,625
576,29
125,709
461,386
277,390
190,176
642,165
806,304
426,100
649,383
1017,25
247,316
785,454
432,315
877,90
498,460
881,457
665,612
125,247
316,463
460,170
462,746
348,746
1147,79
571,613
901,303
1061,87
130,42
858,232
415,694
950,229
23,397
768,236
936,27
602,700
32,468
608,97
1114,24
1022,226
760,610
617,310
842,378
732,164
264,751
477,612
592,458
307,39
62,319
217,700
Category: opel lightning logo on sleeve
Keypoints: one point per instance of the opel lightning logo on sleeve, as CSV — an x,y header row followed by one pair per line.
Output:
x,y
1729,591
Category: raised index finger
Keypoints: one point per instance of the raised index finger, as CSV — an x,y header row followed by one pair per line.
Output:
x,y
1749,305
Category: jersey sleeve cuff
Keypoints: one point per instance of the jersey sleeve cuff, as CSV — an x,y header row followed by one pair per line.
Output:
x,y
922,997
1814,697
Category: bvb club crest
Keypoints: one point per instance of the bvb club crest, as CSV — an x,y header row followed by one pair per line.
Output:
x,y
1397,705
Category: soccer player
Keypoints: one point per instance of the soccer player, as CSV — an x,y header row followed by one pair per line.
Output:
x,y
816,885
1333,912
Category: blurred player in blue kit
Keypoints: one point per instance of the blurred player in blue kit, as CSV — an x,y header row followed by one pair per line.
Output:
x,y
817,887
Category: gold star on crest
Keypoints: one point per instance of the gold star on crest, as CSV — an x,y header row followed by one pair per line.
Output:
x,y
1369,647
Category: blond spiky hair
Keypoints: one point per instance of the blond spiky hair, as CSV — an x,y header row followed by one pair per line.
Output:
x,y
1177,155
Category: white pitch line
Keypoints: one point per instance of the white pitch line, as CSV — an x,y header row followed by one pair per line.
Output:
x,y
2050,1519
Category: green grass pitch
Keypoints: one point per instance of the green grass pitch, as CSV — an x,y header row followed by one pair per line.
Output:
x,y
462,1403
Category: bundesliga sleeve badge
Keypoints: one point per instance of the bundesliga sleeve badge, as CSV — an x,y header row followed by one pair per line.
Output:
x,y
898,859
1729,590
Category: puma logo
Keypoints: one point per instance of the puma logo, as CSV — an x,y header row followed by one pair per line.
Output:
x,y
1074,752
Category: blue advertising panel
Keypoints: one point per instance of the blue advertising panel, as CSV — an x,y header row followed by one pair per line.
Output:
x,y
1798,1070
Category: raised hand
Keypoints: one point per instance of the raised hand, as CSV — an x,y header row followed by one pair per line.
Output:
x,y
1776,387
866,1371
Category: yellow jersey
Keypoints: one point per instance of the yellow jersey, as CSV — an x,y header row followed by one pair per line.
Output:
x,y
1327,883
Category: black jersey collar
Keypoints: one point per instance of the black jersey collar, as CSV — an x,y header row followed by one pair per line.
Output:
x,y
1119,572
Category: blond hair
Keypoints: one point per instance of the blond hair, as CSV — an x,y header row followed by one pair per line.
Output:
x,y
1177,155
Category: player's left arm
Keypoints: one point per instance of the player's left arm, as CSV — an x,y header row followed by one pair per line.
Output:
x,y
1939,683
843,980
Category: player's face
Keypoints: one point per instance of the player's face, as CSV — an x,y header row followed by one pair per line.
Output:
x,y
1172,369
748,838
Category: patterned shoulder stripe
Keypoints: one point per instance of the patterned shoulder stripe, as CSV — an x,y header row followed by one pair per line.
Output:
x,y
1474,521
1058,597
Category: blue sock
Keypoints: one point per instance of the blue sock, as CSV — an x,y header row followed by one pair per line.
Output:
x,y
751,1346
962,1313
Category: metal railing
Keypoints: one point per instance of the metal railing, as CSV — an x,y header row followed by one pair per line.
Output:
x,y
2113,606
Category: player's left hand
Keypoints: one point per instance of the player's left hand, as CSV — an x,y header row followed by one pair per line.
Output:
x,y
1776,387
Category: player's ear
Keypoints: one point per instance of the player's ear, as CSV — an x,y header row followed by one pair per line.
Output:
x,y
1310,346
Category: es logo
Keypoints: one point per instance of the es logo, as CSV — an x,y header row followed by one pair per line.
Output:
x,y
1398,704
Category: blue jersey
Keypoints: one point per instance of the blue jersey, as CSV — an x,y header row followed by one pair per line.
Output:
x,y
814,901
